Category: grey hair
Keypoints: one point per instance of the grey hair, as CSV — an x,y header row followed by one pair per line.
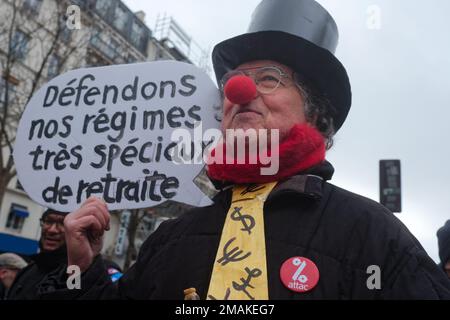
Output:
x,y
319,111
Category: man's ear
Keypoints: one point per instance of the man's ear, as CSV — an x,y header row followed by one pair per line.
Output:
x,y
2,273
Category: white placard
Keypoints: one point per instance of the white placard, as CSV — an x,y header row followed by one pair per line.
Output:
x,y
106,132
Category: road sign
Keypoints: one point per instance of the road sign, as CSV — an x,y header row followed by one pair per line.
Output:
x,y
390,185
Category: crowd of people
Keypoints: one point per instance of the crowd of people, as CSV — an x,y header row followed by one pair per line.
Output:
x,y
20,278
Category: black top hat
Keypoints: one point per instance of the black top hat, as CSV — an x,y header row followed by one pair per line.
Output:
x,y
300,34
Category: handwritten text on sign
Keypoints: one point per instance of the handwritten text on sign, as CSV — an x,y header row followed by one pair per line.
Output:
x,y
106,132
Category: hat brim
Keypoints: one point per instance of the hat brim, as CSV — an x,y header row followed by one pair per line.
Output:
x,y
323,70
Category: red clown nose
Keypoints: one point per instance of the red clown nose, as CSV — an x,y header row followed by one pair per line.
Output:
x,y
240,89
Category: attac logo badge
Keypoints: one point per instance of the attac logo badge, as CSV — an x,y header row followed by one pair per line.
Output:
x,y
299,274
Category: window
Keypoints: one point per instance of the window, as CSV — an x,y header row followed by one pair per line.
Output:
x,y
95,34
11,92
136,34
19,45
53,66
16,217
102,6
109,49
66,34
2,91
115,46
120,18
131,59
32,6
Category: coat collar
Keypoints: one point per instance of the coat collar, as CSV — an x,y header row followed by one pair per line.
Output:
x,y
308,183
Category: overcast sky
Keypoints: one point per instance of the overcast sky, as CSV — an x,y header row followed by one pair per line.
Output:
x,y
401,93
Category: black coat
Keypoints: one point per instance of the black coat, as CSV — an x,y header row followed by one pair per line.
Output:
x,y
342,232
25,286
2,291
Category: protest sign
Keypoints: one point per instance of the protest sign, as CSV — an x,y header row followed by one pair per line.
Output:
x,y
106,132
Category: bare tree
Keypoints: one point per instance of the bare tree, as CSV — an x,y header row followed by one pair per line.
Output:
x,y
140,228
27,46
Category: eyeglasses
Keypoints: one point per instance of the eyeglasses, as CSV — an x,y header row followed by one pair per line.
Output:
x,y
48,223
267,79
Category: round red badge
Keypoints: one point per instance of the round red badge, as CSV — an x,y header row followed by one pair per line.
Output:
x,y
299,274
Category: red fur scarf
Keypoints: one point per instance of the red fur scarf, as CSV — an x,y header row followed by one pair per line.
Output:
x,y
303,148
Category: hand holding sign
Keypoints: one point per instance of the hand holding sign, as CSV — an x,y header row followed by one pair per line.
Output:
x,y
107,132
84,232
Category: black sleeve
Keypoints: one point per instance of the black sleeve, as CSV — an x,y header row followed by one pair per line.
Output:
x,y
380,239
93,281
96,283
418,277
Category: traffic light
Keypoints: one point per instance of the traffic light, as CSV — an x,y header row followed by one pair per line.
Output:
x,y
390,185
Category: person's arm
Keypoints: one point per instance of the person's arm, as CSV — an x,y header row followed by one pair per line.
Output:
x,y
84,229
96,283
419,278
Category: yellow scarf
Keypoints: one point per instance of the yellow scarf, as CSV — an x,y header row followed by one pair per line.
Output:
x,y
240,270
